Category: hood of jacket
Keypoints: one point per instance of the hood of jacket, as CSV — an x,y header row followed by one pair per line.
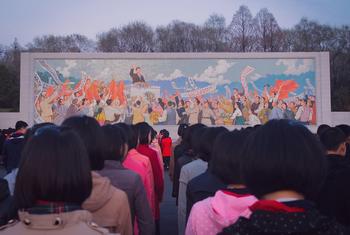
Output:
x,y
227,207
102,192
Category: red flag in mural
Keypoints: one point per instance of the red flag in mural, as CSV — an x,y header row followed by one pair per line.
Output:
x,y
284,88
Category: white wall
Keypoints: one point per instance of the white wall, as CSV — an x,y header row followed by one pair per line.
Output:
x,y
323,103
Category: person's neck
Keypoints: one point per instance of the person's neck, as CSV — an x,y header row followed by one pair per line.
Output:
x,y
283,194
338,153
236,186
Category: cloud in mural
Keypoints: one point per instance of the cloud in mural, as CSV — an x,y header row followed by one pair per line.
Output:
x,y
66,71
294,67
161,77
255,77
215,73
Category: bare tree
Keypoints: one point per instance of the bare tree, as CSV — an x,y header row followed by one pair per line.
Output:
x,y
268,31
215,33
242,29
137,37
70,43
110,41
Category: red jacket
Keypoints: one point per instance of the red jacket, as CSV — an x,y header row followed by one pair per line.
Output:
x,y
144,149
166,146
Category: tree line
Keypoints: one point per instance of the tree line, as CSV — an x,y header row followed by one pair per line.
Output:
x,y
244,33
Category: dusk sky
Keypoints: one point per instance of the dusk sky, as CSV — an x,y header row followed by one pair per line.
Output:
x,y
26,19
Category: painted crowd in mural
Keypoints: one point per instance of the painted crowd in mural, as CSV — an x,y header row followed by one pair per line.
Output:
x,y
174,91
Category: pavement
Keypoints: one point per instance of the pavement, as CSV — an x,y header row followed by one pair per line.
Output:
x,y
168,210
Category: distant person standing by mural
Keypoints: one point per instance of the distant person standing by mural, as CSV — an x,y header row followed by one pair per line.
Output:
x,y
136,75
165,143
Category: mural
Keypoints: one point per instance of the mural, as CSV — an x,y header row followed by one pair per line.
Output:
x,y
174,91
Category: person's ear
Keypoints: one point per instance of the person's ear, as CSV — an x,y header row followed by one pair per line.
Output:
x,y
342,149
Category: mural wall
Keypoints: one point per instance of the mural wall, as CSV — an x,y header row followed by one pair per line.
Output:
x,y
174,91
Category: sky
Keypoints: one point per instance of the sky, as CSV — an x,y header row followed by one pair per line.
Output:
x,y
26,19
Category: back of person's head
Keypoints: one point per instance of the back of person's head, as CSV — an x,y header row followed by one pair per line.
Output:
x,y
283,155
130,134
345,128
153,134
186,140
181,129
54,167
227,156
195,141
321,128
144,132
332,138
30,132
115,143
207,139
20,125
90,132
165,133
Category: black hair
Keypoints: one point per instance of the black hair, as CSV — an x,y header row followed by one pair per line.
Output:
x,y
109,102
195,141
283,155
321,128
130,134
115,142
30,132
186,140
345,128
20,124
153,134
181,129
90,132
165,133
332,138
54,167
143,131
206,141
227,156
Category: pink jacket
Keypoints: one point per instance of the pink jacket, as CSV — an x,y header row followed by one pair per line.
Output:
x,y
141,165
213,214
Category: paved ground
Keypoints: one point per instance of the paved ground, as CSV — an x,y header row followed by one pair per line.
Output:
x,y
168,210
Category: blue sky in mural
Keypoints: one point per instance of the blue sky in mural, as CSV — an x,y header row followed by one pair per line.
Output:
x,y
174,73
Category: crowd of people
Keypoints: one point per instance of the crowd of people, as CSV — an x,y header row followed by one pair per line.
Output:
x,y
84,178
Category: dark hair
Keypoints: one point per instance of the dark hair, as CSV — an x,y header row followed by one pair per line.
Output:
x,y
20,124
181,129
345,128
195,141
130,134
90,132
321,128
186,140
153,134
109,102
206,141
143,131
115,141
227,156
332,138
283,155
30,132
54,167
165,133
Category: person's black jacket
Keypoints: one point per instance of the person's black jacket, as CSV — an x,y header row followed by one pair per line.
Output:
x,y
180,162
202,187
12,151
334,199
7,209
269,221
